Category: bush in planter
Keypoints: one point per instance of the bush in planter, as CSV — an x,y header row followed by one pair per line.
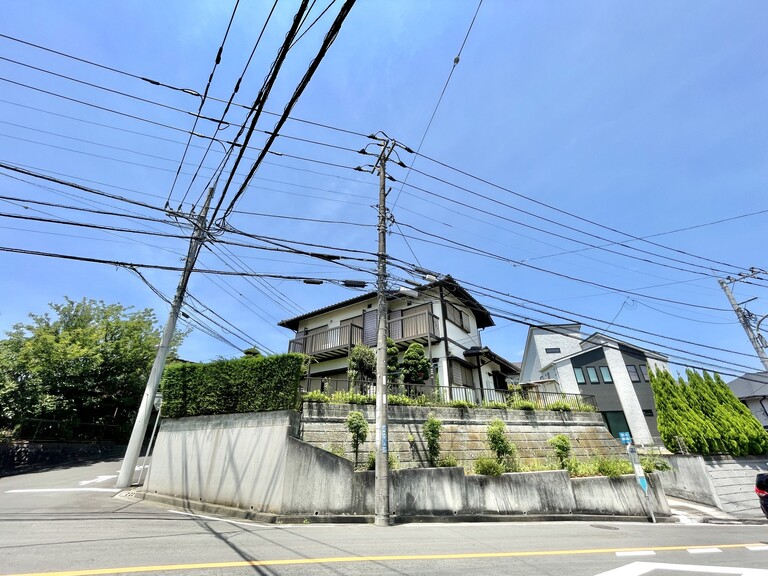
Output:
x,y
614,467
560,406
351,398
400,400
392,459
495,405
487,466
522,405
316,396
459,404
448,461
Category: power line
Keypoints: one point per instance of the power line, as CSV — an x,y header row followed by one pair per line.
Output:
x,y
303,83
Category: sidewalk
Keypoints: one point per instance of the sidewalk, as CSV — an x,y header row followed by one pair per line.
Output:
x,y
688,512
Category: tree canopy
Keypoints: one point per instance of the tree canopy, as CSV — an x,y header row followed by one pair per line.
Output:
x,y
706,415
85,362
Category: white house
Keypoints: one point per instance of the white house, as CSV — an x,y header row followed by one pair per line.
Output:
x,y
443,317
614,372
752,390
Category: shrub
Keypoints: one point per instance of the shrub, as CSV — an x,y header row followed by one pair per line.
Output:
x,y
495,405
562,446
316,396
432,428
351,398
362,364
399,400
651,463
358,427
488,466
613,467
559,406
448,461
522,405
249,384
459,404
392,459
338,450
415,366
506,451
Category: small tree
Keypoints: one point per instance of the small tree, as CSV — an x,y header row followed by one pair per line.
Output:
x,y
393,365
506,451
358,427
415,364
432,430
562,446
362,365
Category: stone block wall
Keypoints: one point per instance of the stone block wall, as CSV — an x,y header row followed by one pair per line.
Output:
x,y
463,432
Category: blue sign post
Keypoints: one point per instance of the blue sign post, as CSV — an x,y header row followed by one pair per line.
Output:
x,y
641,479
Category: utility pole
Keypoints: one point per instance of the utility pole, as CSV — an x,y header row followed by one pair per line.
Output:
x,y
125,477
381,485
744,316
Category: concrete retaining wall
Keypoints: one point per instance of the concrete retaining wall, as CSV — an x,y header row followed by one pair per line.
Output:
x,y
621,496
254,462
689,479
521,493
464,432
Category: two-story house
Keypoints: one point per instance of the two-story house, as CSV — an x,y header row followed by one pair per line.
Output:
x,y
614,372
441,315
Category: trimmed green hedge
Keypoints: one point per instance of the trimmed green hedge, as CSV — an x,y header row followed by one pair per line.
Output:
x,y
250,384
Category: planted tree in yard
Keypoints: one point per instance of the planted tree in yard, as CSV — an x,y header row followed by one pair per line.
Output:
x,y
362,365
706,415
506,451
358,427
393,364
415,364
432,429
87,362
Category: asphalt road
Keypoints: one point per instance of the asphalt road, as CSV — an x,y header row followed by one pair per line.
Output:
x,y
69,522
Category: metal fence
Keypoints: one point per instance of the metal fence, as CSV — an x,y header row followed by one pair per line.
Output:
x,y
42,430
518,398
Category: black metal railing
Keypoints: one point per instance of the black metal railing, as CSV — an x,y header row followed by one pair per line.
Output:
x,y
523,399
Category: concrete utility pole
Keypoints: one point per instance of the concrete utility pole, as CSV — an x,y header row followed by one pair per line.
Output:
x,y
743,316
125,477
381,486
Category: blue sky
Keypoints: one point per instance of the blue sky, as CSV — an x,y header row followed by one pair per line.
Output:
x,y
574,124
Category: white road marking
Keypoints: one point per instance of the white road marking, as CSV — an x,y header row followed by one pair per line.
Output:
x,y
37,490
637,553
757,548
641,568
703,550
252,524
97,480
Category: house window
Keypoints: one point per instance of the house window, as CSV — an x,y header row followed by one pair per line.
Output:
x,y
592,373
552,350
644,371
633,373
467,378
606,374
456,316
579,372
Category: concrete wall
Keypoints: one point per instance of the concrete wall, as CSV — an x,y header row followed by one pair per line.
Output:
x,y
255,462
621,496
547,492
464,432
689,479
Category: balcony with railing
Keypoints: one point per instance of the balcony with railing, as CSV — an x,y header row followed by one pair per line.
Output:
x,y
337,342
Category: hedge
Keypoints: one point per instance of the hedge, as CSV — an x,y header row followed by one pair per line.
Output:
x,y
250,384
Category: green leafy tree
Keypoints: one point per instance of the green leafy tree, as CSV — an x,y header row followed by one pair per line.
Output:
x,y
415,364
362,365
86,362
506,451
432,430
393,364
705,414
358,427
